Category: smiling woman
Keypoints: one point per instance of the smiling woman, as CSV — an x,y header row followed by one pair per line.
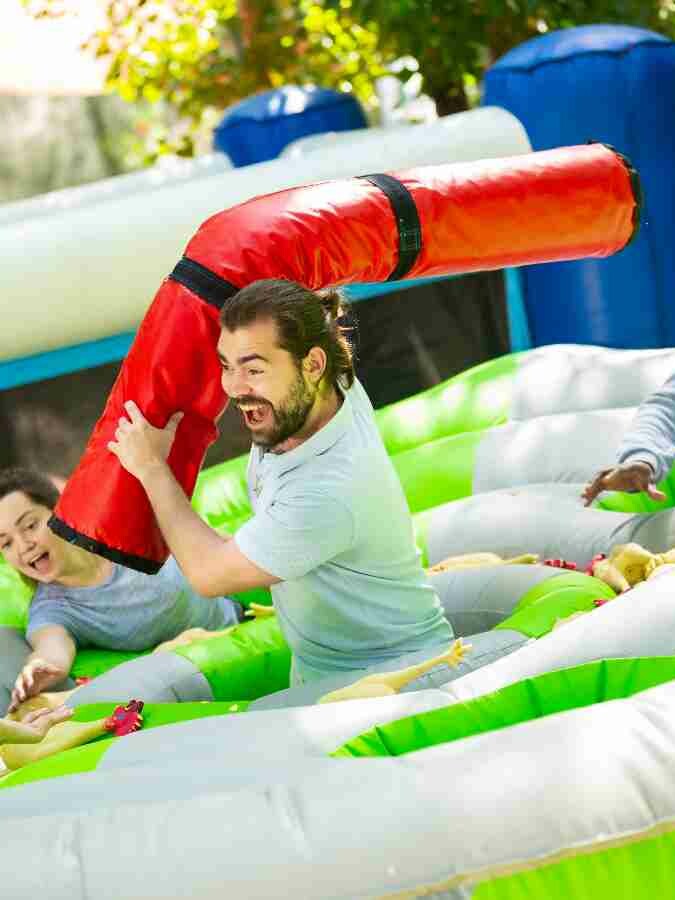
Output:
x,y
84,600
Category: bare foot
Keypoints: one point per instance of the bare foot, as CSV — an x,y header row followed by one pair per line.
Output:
x,y
47,700
188,637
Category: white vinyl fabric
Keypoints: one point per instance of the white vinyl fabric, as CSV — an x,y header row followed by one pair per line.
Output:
x,y
158,176
568,447
574,377
548,519
269,827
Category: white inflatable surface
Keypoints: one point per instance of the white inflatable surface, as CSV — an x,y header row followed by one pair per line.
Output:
x,y
169,171
90,272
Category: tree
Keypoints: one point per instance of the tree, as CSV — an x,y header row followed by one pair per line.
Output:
x,y
200,56
454,41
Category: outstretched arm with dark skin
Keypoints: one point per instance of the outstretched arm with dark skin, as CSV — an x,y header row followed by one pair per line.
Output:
x,y
646,452
630,476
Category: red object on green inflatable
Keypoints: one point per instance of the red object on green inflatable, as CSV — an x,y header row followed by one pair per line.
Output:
x,y
540,207
125,719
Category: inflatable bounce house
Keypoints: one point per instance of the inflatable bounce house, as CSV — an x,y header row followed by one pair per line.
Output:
x,y
537,764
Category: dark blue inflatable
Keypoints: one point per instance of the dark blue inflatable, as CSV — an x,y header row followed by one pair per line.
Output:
x,y
259,127
614,84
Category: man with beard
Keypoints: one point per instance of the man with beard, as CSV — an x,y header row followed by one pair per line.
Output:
x,y
331,533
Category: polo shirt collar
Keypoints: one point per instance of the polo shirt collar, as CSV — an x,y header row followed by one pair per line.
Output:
x,y
318,443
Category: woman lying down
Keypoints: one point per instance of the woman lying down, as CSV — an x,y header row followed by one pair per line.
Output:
x,y
83,600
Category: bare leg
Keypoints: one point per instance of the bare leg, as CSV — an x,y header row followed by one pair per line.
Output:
x,y
189,636
260,611
473,560
383,684
66,735
61,737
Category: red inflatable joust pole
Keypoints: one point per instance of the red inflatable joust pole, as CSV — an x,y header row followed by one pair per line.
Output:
x,y
541,207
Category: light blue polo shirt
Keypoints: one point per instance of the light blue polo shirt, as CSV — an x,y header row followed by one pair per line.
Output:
x,y
332,522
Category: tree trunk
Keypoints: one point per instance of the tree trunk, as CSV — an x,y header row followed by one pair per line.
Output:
x,y
449,100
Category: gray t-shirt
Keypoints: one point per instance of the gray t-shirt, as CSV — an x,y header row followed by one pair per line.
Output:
x,y
130,611
332,522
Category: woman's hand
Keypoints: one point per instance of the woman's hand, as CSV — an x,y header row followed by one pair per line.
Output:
x,y
35,677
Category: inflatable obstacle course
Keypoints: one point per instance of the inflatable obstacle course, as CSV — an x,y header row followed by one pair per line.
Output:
x,y
555,834
426,436
562,204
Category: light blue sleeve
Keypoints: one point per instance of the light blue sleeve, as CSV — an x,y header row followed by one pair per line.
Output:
x,y
296,534
651,436
45,611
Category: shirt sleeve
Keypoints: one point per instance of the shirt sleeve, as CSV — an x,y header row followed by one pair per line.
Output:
x,y
43,612
296,534
651,436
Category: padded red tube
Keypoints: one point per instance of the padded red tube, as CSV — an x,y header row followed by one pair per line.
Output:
x,y
541,207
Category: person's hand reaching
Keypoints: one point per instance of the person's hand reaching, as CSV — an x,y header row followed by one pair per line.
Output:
x,y
35,677
632,477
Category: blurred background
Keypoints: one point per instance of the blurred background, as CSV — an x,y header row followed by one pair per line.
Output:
x,y
95,91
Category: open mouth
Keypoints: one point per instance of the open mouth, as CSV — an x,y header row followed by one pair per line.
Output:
x,y
254,413
39,563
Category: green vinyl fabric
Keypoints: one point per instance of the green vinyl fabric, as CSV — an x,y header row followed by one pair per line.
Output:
x,y
437,472
16,593
546,603
533,698
474,400
641,868
248,662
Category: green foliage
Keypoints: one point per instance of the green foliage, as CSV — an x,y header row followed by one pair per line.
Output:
x,y
200,56
454,41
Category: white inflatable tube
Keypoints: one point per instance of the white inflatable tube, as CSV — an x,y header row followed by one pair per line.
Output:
x,y
454,816
167,172
88,273
562,378
640,622
569,448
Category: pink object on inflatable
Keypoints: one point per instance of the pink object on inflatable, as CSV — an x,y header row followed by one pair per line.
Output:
x,y
541,207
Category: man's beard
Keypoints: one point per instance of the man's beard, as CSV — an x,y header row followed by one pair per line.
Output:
x,y
289,417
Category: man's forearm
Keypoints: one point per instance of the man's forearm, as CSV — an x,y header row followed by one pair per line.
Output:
x,y
213,564
191,541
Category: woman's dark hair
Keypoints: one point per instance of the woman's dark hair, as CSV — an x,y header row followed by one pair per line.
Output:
x,y
33,484
304,319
